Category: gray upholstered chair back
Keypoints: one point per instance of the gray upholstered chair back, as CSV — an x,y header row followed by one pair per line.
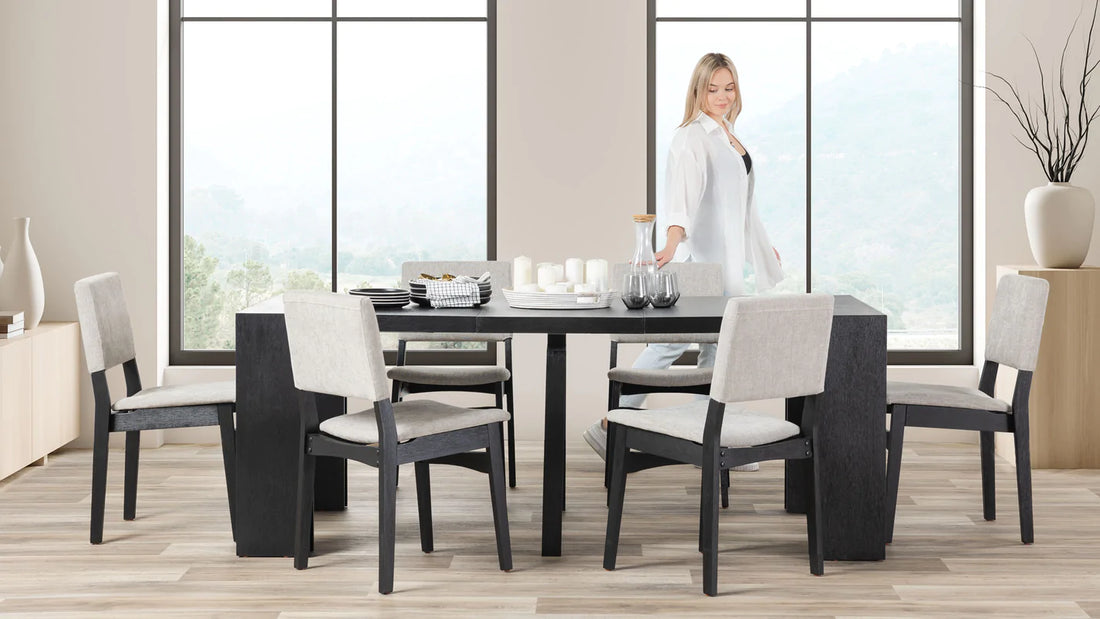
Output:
x,y
695,279
501,271
104,321
335,347
772,347
1016,324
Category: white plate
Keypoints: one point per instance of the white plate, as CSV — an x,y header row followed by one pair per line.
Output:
x,y
556,300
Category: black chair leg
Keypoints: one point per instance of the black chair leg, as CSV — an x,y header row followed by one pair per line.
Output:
x,y
303,521
229,462
424,505
509,387
989,483
1021,438
99,474
498,496
813,515
893,467
129,493
725,488
708,516
616,454
387,519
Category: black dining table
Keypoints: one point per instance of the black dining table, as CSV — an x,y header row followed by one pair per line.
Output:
x,y
851,441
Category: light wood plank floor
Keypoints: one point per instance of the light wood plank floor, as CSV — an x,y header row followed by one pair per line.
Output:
x,y
177,558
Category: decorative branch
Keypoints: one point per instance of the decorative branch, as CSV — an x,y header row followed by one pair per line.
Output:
x,y
1057,135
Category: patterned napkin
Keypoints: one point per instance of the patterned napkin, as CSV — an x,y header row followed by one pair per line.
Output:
x,y
453,293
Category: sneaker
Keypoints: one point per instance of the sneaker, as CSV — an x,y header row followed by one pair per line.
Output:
x,y
746,468
596,437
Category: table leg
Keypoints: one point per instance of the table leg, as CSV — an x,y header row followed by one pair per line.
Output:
x,y
553,446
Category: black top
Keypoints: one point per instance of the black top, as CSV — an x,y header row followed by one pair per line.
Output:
x,y
748,162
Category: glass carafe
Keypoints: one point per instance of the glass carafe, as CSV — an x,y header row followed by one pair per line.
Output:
x,y
643,262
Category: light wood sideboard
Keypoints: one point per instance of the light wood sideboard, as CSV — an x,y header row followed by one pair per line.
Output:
x,y
39,393
1065,392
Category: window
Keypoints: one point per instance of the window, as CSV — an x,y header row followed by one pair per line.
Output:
x,y
857,115
318,144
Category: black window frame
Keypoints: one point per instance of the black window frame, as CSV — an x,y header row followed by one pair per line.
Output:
x,y
964,355
177,355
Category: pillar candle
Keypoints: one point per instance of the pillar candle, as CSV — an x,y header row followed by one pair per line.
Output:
x,y
595,272
559,272
574,270
546,275
521,272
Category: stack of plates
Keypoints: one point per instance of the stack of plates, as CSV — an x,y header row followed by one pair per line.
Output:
x,y
419,292
384,298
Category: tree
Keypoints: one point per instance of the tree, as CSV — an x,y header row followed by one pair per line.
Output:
x,y
250,284
304,280
202,297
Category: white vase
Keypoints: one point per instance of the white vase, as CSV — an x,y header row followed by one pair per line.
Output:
x,y
1059,220
21,280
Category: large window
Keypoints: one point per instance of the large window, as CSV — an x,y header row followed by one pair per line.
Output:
x,y
857,114
318,144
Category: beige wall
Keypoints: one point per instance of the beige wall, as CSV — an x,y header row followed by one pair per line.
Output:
x,y
81,134
78,153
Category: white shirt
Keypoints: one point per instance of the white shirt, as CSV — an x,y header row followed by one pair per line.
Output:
x,y
709,195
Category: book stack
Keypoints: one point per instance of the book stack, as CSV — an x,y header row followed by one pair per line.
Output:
x,y
11,324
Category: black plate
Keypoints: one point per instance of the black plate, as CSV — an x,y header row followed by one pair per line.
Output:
x,y
372,291
379,306
422,302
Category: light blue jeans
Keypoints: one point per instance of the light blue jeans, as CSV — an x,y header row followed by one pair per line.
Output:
x,y
660,357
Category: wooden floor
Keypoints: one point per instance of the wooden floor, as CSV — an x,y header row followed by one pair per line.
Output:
x,y
177,558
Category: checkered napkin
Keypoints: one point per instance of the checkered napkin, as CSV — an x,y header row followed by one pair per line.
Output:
x,y
453,293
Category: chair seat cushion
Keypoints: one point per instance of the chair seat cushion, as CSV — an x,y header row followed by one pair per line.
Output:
x,y
740,427
662,378
665,338
414,418
449,374
220,392
942,395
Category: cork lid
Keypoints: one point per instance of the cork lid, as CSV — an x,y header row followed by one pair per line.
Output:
x,y
644,218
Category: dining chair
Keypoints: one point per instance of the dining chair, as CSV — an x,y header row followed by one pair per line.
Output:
x,y
695,279
336,349
491,379
1012,339
109,342
768,347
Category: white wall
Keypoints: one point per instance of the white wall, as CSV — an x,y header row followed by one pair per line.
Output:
x,y
78,154
80,123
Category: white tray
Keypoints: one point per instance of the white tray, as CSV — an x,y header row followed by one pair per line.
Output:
x,y
559,300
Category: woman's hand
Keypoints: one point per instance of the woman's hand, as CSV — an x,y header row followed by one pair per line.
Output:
x,y
665,256
673,237
777,256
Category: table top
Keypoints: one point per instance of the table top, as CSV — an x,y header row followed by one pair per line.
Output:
x,y
689,315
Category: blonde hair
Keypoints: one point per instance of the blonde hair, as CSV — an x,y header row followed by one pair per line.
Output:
x,y
700,81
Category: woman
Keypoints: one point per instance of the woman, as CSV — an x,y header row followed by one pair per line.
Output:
x,y
709,208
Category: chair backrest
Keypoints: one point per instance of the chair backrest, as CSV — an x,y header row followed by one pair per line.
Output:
x,y
772,347
335,347
1016,324
104,321
501,271
694,279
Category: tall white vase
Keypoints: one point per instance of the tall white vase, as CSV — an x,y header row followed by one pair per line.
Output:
x,y
1059,220
21,280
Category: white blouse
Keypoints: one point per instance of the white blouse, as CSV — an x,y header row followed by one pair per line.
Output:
x,y
710,195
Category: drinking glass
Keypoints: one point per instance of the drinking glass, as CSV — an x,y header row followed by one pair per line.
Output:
x,y
665,290
635,293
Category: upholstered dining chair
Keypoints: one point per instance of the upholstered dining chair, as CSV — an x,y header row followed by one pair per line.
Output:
x,y
336,349
769,347
109,342
491,379
1012,339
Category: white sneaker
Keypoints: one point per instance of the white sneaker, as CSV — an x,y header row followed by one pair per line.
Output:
x,y
596,437
746,468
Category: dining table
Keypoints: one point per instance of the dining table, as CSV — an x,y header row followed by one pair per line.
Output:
x,y
851,440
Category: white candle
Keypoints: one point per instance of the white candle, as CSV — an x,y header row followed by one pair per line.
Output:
x,y
529,288
574,270
521,272
584,288
546,275
557,288
595,272
559,272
